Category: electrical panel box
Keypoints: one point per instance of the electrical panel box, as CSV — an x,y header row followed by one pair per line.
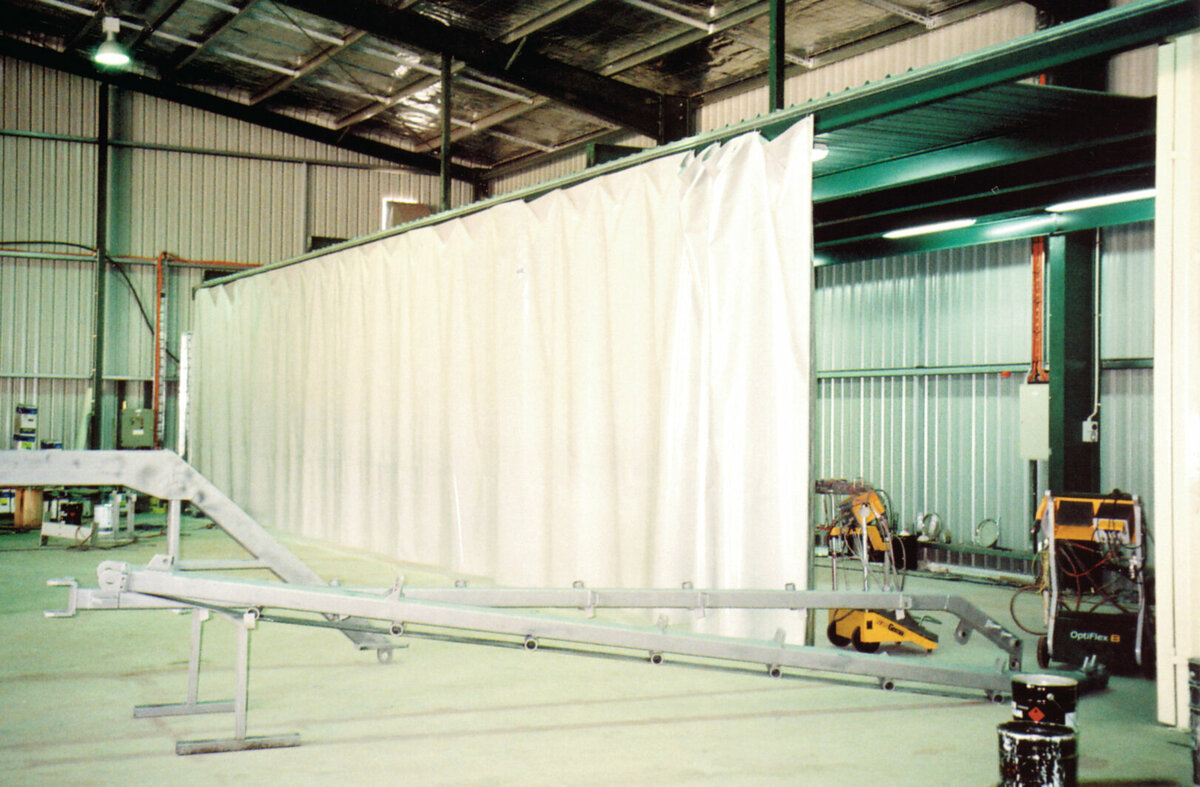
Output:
x,y
1035,421
137,428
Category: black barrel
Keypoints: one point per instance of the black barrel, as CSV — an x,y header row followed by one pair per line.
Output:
x,y
1194,706
1037,755
1045,699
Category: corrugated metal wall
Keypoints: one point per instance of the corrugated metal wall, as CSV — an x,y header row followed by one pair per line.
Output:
x,y
896,406
946,439
566,165
199,186
1127,292
935,309
347,203
46,356
1127,334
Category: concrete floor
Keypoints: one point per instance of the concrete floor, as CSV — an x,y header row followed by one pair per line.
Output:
x,y
451,713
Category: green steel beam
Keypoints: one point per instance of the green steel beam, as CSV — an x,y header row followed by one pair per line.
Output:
x,y
1116,364
1074,466
911,371
1124,27
1018,367
1007,198
601,153
988,231
1124,120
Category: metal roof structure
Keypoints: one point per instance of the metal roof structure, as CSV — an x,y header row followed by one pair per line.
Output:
x,y
528,78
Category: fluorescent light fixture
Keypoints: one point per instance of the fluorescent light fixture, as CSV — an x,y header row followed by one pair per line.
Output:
x,y
1095,202
820,150
111,53
925,229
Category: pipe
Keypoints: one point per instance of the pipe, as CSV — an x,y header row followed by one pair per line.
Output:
x,y
1037,366
102,112
1096,311
159,349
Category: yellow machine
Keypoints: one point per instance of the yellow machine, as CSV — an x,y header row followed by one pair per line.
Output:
x,y
864,510
1094,582
869,629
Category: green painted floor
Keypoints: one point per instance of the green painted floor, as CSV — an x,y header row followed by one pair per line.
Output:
x,y
450,713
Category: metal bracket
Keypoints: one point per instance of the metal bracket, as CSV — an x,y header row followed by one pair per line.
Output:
x,y
72,597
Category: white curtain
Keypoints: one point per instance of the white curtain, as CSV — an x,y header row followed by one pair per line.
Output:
x,y
609,383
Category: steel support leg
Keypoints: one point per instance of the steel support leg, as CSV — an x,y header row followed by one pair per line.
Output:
x,y
192,705
239,741
174,527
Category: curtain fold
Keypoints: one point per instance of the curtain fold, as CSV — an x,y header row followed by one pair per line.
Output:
x,y
610,383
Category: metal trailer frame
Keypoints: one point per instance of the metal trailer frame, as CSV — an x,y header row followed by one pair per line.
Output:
x,y
166,583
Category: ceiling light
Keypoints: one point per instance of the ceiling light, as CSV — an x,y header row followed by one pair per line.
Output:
x,y
111,53
1095,202
925,229
820,150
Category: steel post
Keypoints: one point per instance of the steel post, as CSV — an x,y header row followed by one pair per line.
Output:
x,y
776,63
1074,464
102,113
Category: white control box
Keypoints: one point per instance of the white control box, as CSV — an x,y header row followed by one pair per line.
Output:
x,y
1035,421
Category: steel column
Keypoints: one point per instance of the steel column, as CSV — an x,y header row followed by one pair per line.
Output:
x,y
444,151
1074,465
776,63
102,112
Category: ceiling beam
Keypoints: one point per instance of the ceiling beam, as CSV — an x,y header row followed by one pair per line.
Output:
x,y
1011,189
154,24
559,12
211,35
79,66
309,66
928,22
374,108
1121,120
674,42
627,105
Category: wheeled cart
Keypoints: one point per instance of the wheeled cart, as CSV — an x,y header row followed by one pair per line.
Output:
x,y
1094,582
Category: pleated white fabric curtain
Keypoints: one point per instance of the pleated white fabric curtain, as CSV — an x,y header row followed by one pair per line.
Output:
x,y
610,383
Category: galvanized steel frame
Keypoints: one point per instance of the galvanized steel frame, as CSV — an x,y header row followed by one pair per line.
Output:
x,y
164,475
486,610
164,585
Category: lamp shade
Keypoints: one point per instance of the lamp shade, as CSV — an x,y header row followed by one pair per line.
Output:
x,y
111,53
